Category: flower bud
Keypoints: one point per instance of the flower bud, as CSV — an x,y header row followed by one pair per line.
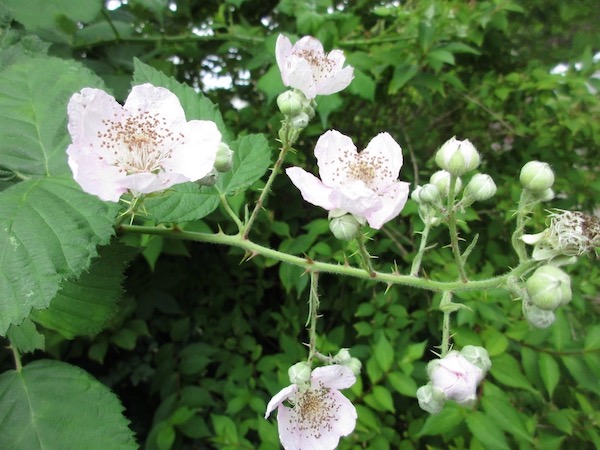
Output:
x,y
544,196
441,179
210,179
430,195
290,103
431,398
343,356
415,194
344,227
457,157
309,110
299,373
300,121
456,377
478,356
537,317
536,176
354,365
224,160
481,187
549,287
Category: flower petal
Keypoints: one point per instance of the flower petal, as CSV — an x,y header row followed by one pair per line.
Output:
x,y
333,377
311,188
334,151
279,398
95,175
385,149
347,415
356,199
300,76
87,110
146,98
393,200
283,50
195,157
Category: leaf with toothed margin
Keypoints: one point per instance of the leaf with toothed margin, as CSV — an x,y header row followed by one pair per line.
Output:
x,y
49,230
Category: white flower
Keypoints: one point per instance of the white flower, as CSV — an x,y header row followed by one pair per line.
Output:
x,y
363,184
144,146
306,67
319,415
456,377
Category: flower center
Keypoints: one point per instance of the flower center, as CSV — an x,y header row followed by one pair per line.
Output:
x,y
321,65
367,168
139,143
315,410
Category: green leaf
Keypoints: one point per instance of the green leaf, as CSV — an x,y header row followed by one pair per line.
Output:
x,y
33,113
49,231
328,104
403,384
582,373
25,337
486,431
384,353
44,18
448,419
183,203
363,85
83,307
506,417
380,399
592,338
251,159
402,75
549,372
195,104
51,405
270,83
507,371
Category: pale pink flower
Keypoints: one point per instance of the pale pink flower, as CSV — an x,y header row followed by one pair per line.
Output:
x,y
144,146
306,67
456,377
320,414
363,184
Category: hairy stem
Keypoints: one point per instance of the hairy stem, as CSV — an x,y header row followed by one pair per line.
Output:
x,y
231,213
239,241
313,308
287,139
453,230
416,264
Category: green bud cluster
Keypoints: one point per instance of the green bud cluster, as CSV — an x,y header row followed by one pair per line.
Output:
x,y
297,109
457,157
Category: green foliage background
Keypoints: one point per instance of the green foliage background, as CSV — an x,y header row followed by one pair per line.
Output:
x,y
193,341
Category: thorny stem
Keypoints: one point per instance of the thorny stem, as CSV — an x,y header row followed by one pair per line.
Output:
x,y
239,241
416,265
287,135
453,231
364,254
445,345
313,308
522,211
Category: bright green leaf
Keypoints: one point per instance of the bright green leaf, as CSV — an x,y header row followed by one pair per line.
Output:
x,y
549,371
403,384
49,231
485,429
506,416
251,159
183,203
506,369
25,337
448,419
33,113
52,405
84,306
380,399
384,353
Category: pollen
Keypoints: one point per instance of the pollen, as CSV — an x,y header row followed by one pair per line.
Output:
x,y
140,143
322,66
574,232
315,411
364,167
